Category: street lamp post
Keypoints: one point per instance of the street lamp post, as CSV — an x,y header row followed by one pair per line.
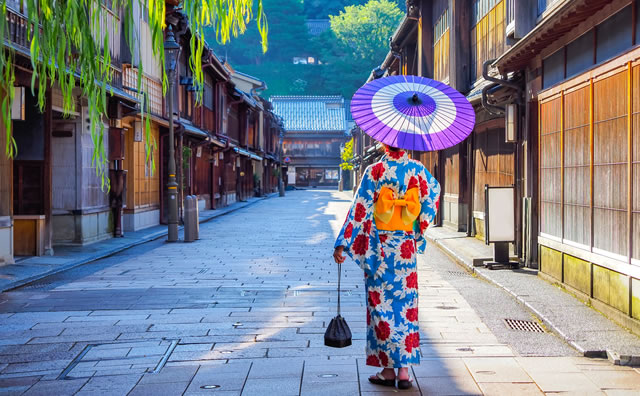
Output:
x,y
171,51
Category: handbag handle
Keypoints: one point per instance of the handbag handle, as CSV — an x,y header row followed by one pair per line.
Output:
x,y
339,272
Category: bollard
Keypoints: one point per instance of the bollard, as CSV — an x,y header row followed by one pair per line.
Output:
x,y
189,205
196,218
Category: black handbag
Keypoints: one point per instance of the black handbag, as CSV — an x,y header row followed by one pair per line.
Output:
x,y
338,334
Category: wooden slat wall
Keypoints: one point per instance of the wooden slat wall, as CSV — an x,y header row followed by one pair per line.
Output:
x,y
550,169
596,168
635,232
610,164
452,171
488,38
577,161
493,163
143,182
203,174
441,41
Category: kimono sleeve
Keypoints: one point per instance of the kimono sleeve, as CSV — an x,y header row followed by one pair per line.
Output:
x,y
359,235
430,201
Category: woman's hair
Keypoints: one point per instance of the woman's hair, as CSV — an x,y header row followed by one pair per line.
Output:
x,y
390,148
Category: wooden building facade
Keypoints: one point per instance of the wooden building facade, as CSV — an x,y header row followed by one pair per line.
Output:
x,y
571,71
582,63
316,129
49,192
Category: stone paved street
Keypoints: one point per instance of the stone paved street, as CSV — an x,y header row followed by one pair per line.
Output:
x,y
243,311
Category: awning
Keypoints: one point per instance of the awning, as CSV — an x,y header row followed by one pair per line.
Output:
x,y
193,131
559,22
246,97
247,153
199,133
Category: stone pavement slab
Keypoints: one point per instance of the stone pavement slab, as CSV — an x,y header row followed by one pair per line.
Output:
x,y
30,269
584,328
247,315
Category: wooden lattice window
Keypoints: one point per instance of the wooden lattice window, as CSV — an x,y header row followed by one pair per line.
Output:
x,y
550,168
577,163
610,164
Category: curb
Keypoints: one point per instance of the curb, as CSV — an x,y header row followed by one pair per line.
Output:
x,y
469,267
110,252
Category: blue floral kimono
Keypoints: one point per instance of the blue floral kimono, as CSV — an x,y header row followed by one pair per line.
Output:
x,y
388,258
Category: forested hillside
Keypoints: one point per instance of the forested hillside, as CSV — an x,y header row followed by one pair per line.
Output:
x,y
316,47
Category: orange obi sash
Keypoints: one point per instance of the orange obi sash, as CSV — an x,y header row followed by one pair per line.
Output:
x,y
393,214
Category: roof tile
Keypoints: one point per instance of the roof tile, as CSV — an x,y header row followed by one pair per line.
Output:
x,y
311,113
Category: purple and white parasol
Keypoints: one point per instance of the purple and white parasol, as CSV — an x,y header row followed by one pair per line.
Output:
x,y
413,113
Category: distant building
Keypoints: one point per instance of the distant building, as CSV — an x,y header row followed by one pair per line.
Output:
x,y
315,129
318,26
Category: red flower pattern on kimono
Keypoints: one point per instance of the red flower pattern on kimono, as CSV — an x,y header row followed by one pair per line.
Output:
x,y
413,182
360,213
377,171
384,359
412,340
423,225
383,330
424,187
366,226
361,245
412,280
372,360
412,314
374,298
348,231
407,249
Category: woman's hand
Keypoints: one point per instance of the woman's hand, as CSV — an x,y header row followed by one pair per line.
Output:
x,y
337,255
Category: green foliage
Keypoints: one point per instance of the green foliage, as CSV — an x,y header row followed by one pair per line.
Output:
x,y
356,43
365,29
287,36
347,156
70,48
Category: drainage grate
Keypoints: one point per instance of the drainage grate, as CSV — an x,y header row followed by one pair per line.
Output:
x,y
457,273
447,307
524,325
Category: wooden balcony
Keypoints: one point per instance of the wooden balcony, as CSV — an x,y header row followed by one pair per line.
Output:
x,y
152,87
17,22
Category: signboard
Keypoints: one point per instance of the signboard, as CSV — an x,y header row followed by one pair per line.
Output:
x,y
287,159
499,216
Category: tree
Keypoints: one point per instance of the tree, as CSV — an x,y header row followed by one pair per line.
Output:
x,y
356,44
347,156
288,36
321,9
365,29
66,38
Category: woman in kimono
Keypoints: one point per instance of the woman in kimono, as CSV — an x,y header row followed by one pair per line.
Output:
x,y
384,230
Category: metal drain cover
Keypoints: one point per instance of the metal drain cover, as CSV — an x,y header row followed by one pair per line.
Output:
x,y
457,273
524,325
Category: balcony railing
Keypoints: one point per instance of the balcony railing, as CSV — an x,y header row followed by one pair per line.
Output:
x,y
149,85
511,12
110,25
17,22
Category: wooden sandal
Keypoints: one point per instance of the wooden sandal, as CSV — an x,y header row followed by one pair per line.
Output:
x,y
381,380
405,384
